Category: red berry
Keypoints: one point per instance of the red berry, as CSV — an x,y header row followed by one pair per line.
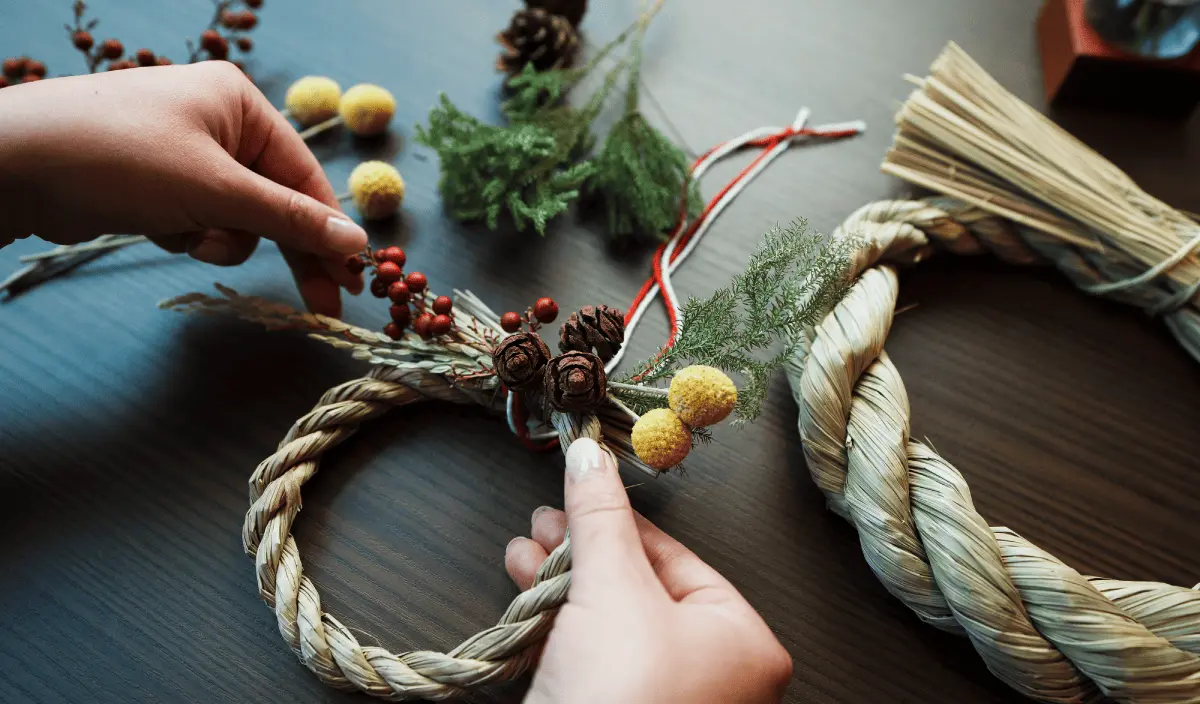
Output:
x,y
247,20
145,57
245,44
121,65
15,67
389,272
398,292
416,282
392,254
83,40
393,331
421,325
163,61
219,49
30,78
355,265
442,305
35,68
254,3
400,315
379,288
112,49
545,310
440,325
510,321
4,82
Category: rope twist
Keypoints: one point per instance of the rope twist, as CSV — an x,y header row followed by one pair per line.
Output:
x,y
1046,630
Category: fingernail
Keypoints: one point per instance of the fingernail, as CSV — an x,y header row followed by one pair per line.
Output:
x,y
343,235
211,250
537,512
510,544
585,460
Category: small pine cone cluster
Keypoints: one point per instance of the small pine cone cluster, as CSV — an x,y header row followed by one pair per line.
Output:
x,y
570,10
21,69
574,381
538,37
407,293
593,328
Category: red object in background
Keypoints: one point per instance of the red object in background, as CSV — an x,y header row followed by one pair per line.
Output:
x,y
1079,68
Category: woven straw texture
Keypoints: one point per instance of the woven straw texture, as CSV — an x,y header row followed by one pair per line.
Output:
x,y
1049,632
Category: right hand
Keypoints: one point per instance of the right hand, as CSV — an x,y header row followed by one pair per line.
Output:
x,y
646,621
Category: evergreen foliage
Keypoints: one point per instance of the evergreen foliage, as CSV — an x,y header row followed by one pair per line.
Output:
x,y
754,325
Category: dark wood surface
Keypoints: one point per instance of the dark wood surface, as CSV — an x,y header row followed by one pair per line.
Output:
x,y
127,433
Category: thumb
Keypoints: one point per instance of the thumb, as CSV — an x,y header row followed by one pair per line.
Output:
x,y
607,548
263,207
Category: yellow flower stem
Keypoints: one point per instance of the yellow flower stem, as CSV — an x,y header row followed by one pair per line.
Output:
x,y
652,390
321,127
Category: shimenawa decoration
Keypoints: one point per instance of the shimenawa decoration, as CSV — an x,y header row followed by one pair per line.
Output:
x,y
1012,183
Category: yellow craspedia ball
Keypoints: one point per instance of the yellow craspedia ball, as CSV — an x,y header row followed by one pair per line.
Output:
x,y
702,395
313,99
377,189
367,109
660,439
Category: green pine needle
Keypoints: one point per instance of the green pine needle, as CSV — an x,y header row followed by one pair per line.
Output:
x,y
641,177
754,325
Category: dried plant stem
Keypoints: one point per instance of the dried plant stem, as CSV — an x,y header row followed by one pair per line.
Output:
x,y
962,134
320,127
115,242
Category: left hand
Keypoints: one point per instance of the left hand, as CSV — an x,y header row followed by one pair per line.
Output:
x,y
192,156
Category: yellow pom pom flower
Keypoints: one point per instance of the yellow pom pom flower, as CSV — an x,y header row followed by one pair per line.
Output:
x,y
367,109
660,439
702,395
313,99
377,189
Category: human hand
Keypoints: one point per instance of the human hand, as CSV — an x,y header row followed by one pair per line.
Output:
x,y
192,156
646,621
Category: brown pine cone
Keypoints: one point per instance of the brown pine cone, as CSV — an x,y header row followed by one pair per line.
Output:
x,y
520,359
597,328
575,381
535,36
572,10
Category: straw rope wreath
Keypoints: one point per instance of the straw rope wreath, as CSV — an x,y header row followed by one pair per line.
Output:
x,y
1046,630
322,643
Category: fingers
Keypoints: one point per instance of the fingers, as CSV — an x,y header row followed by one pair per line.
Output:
x,y
607,549
213,246
522,559
685,576
548,527
317,287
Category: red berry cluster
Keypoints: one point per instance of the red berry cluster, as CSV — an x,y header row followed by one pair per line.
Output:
x,y
543,312
22,69
406,293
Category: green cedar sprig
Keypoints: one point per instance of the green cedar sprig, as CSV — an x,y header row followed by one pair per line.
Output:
x,y
754,325
639,174
535,166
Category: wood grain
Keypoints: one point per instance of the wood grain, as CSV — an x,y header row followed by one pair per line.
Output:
x,y
127,433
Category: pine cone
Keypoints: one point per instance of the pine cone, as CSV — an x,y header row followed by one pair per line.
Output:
x,y
538,37
598,328
519,360
575,381
572,10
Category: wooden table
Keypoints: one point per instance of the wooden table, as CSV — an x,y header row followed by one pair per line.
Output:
x,y
127,433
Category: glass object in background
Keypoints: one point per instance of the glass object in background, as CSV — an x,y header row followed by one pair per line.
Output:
x,y
1160,29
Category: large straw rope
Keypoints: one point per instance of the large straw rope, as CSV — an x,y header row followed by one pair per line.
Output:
x,y
1046,630
322,643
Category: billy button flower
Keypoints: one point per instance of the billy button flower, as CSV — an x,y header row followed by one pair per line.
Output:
x,y
661,439
702,395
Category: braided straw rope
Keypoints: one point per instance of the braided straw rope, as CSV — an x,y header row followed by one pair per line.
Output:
x,y
322,643
1048,631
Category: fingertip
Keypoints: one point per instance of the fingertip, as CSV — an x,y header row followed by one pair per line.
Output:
x,y
548,527
522,558
343,235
